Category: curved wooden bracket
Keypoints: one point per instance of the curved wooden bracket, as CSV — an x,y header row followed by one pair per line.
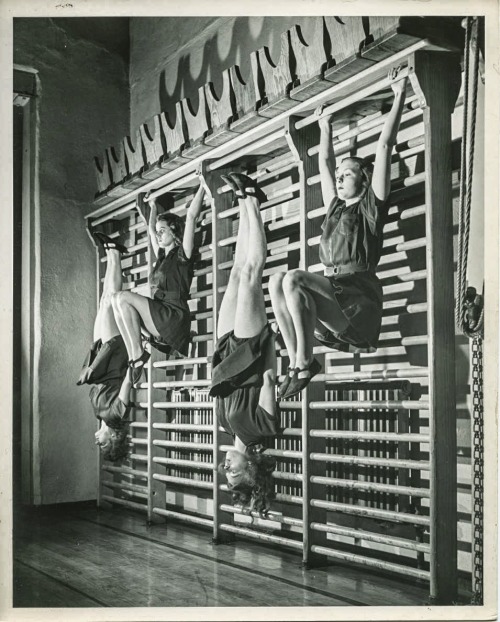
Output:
x,y
221,111
347,39
219,108
245,98
153,147
277,79
102,172
175,135
116,158
309,57
310,60
197,125
133,153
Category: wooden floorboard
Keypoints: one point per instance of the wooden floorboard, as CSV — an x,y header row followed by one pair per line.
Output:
x,y
114,559
32,588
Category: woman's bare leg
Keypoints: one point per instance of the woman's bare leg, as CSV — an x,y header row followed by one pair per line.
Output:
x,y
309,297
283,316
250,317
105,326
227,310
132,310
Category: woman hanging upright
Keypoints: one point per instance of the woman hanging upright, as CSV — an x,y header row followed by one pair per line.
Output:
x,y
165,316
343,307
244,361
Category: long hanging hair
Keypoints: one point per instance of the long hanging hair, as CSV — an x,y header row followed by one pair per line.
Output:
x,y
119,446
255,491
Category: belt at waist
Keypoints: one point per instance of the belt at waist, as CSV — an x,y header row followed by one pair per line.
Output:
x,y
349,268
160,294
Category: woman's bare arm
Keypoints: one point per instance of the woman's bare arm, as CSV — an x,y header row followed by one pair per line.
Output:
x,y
193,213
381,180
326,158
124,394
151,221
267,398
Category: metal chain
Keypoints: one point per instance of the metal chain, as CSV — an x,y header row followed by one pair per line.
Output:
x,y
478,462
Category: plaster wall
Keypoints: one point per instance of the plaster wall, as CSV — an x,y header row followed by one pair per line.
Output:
x,y
83,107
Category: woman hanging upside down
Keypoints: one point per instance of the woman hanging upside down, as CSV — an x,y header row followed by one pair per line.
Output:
x,y
166,315
244,361
342,308
106,366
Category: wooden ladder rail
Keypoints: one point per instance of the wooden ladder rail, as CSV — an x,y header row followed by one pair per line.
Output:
x,y
435,78
300,141
220,229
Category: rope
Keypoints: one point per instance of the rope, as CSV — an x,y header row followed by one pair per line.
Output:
x,y
469,311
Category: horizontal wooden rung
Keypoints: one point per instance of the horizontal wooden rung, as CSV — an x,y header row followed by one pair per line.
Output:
x,y
139,441
199,360
371,436
183,445
186,518
248,147
184,405
372,562
348,100
181,384
124,209
370,486
136,490
368,536
125,503
371,404
388,515
282,192
389,463
202,338
272,516
138,457
382,374
284,453
263,537
187,427
190,464
183,481
373,122
124,471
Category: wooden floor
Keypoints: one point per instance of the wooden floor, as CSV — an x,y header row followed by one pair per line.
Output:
x,y
79,556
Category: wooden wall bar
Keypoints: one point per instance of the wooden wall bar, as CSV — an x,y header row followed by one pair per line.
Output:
x,y
360,474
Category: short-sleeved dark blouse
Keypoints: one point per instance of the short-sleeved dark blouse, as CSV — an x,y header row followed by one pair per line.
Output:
x,y
170,282
352,234
173,273
237,379
105,367
351,243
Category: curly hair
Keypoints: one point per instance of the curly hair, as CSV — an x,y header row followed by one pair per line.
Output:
x,y
176,224
256,489
118,447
